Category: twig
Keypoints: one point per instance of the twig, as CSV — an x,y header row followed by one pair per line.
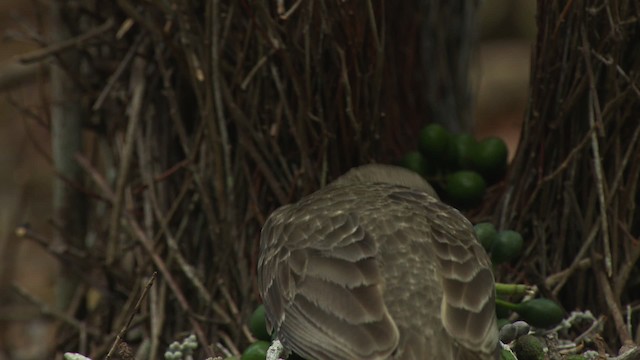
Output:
x,y
135,309
47,310
157,317
221,120
622,167
133,13
14,74
60,250
283,13
612,304
138,85
627,267
298,132
633,354
595,328
116,74
349,110
96,176
552,280
265,169
586,245
609,61
229,343
569,158
78,41
234,308
594,111
563,15
35,142
374,26
256,67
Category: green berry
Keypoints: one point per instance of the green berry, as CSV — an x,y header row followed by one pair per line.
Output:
x,y
258,324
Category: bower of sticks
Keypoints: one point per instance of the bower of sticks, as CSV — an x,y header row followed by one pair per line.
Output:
x,y
178,126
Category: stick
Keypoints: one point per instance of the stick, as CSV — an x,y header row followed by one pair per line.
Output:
x,y
133,312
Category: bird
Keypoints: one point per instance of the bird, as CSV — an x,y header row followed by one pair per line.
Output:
x,y
374,266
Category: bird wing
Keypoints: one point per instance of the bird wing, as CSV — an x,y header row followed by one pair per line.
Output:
x,y
464,269
468,303
320,280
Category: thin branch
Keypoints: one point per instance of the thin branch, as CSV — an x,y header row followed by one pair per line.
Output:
x,y
594,111
47,310
76,42
614,308
133,312
138,85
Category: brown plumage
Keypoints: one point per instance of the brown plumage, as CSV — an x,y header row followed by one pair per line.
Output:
x,y
374,266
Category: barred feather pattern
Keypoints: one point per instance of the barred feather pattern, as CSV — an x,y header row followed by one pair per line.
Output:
x,y
375,266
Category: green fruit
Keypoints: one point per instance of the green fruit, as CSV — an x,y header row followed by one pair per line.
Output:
x,y
465,188
258,324
541,313
256,351
460,151
415,162
506,355
486,234
529,347
506,247
433,141
490,158
503,322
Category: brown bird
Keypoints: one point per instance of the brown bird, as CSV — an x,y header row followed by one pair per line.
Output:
x,y
375,266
